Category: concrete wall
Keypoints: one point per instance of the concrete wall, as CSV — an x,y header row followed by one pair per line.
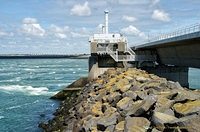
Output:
x,y
94,69
173,73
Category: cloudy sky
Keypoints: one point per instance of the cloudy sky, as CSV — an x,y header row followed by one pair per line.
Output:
x,y
63,26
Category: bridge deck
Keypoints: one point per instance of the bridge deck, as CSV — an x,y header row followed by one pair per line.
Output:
x,y
160,43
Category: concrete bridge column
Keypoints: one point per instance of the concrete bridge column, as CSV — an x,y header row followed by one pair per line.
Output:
x,y
173,73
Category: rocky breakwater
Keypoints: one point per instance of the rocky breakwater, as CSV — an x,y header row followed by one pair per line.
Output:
x,y
129,100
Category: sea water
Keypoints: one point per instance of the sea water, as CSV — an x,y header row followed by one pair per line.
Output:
x,y
27,84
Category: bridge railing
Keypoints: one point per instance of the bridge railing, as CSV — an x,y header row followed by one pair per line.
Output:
x,y
183,31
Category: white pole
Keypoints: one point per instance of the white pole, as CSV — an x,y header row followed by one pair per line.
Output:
x,y
106,21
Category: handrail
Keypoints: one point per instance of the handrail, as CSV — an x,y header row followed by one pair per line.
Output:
x,y
179,32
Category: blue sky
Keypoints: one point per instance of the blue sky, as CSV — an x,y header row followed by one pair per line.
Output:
x,y
63,26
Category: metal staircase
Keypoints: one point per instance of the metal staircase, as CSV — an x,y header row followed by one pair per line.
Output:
x,y
129,54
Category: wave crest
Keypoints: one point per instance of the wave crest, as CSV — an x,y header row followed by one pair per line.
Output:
x,y
27,90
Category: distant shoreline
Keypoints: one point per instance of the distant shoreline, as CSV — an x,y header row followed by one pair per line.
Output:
x,y
82,56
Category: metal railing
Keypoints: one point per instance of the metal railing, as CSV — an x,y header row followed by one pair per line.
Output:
x,y
179,32
108,40
114,54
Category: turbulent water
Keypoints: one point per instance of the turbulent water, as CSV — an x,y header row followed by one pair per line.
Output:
x,y
27,84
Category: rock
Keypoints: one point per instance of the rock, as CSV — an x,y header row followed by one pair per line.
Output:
x,y
107,120
136,88
113,96
43,125
184,95
121,116
159,119
163,105
90,123
123,103
188,123
136,124
120,126
123,85
110,128
154,85
115,101
42,115
130,94
168,94
100,96
141,94
142,79
94,108
174,85
188,108
110,110
141,107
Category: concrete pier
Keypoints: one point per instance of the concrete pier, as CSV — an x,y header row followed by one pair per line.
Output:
x,y
173,73
99,64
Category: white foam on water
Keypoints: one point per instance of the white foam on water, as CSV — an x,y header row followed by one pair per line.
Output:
x,y
63,84
73,72
18,106
17,79
13,107
27,90
1,117
28,69
52,72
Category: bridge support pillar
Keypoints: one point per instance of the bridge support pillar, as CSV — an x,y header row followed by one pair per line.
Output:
x,y
173,73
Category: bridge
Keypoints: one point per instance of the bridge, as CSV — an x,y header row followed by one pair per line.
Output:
x,y
179,48
171,54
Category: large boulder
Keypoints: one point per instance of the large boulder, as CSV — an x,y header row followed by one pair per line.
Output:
x,y
123,103
130,94
107,120
184,95
188,108
141,94
164,105
90,124
113,96
168,94
141,107
159,119
188,123
174,85
136,124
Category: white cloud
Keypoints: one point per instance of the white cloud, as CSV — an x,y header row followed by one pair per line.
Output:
x,y
6,34
155,2
57,31
132,31
31,27
61,35
161,16
54,28
29,20
83,33
81,10
133,2
129,18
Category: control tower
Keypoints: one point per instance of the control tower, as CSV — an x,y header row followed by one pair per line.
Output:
x,y
108,50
